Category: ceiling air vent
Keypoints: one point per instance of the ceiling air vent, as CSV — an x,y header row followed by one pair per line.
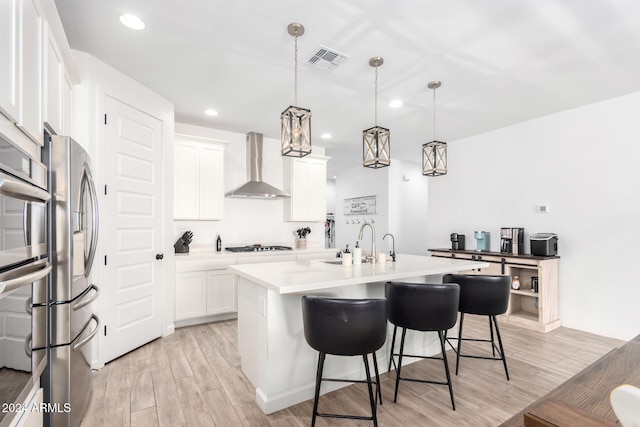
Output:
x,y
327,59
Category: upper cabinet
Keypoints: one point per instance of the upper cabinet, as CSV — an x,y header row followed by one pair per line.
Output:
x,y
9,57
198,178
30,116
36,71
305,179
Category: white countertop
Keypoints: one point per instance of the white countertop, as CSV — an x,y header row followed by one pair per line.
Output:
x,y
307,276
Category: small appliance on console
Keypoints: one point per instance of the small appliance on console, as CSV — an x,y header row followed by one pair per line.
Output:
x,y
457,242
544,244
512,240
483,239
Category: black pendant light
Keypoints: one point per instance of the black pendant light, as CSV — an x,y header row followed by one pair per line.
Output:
x,y
295,129
434,153
376,141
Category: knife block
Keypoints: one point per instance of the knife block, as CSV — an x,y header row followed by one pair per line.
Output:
x,y
181,247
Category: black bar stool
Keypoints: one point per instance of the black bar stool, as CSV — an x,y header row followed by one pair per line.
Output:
x,y
422,307
345,327
483,295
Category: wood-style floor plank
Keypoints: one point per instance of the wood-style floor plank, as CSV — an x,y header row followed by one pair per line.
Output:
x,y
192,378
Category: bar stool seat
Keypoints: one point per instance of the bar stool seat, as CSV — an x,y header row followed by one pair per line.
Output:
x,y
483,295
345,327
422,307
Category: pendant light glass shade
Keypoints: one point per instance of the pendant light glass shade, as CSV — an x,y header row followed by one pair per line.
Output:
x,y
295,122
375,147
434,158
434,153
376,141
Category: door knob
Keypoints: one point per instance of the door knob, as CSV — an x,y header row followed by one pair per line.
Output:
x,y
159,256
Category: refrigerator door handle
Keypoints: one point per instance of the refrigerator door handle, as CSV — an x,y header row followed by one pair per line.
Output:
x,y
91,335
18,282
78,303
88,181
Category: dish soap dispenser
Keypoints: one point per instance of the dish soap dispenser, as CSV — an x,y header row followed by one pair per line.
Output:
x,y
218,244
346,256
515,284
357,254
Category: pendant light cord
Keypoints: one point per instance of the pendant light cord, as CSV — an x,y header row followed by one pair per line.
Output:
x,y
375,108
295,72
434,113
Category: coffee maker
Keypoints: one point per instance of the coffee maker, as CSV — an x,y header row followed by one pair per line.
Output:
x,y
457,242
512,240
483,239
506,240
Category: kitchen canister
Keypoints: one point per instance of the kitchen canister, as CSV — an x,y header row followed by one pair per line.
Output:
x,y
346,258
357,254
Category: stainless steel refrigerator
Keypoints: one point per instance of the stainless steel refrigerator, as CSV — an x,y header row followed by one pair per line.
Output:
x,y
74,237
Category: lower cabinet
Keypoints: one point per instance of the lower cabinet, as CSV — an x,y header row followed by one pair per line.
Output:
x,y
530,307
204,292
222,295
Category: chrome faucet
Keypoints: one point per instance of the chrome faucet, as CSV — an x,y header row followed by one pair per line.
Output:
x,y
393,251
372,256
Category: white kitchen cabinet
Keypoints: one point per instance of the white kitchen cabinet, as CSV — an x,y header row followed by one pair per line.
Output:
x,y
30,118
53,90
10,58
191,294
204,289
198,179
221,293
305,179
35,79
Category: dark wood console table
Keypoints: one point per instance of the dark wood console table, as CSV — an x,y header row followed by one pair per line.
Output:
x,y
584,399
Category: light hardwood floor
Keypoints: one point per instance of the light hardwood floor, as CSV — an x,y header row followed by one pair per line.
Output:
x,y
192,378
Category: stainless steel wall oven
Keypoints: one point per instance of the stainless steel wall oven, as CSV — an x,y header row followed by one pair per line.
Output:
x,y
24,276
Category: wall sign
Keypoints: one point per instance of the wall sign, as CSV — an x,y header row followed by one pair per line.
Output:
x,y
360,205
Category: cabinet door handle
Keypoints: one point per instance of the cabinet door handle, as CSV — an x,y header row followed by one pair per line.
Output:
x,y
159,256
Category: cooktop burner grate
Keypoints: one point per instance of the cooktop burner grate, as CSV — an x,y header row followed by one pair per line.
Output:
x,y
258,248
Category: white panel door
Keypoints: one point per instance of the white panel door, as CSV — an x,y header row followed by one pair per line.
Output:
x,y
131,224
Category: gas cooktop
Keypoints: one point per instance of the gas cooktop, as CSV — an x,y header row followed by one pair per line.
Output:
x,y
257,248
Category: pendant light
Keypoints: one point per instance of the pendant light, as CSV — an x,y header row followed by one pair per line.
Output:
x,y
376,143
295,121
434,153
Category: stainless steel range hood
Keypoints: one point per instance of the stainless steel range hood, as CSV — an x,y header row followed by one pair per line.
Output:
x,y
256,188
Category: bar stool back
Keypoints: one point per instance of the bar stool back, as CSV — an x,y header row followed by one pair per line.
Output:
x,y
345,327
484,295
422,307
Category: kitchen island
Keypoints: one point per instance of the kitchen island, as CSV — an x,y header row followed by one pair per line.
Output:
x,y
274,354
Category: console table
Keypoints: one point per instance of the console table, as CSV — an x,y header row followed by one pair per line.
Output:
x,y
584,399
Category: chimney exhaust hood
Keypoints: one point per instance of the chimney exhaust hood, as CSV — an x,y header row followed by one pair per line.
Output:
x,y
256,188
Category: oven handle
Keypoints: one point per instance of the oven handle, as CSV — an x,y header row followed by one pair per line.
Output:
x,y
91,335
11,284
77,305
13,188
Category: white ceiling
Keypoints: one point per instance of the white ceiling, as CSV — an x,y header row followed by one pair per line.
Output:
x,y
500,61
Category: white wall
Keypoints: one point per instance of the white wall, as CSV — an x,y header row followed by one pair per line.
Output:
x,y
583,164
402,200
247,221
359,181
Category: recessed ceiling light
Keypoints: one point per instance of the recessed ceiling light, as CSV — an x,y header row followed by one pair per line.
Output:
x,y
211,112
396,103
132,21
326,136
